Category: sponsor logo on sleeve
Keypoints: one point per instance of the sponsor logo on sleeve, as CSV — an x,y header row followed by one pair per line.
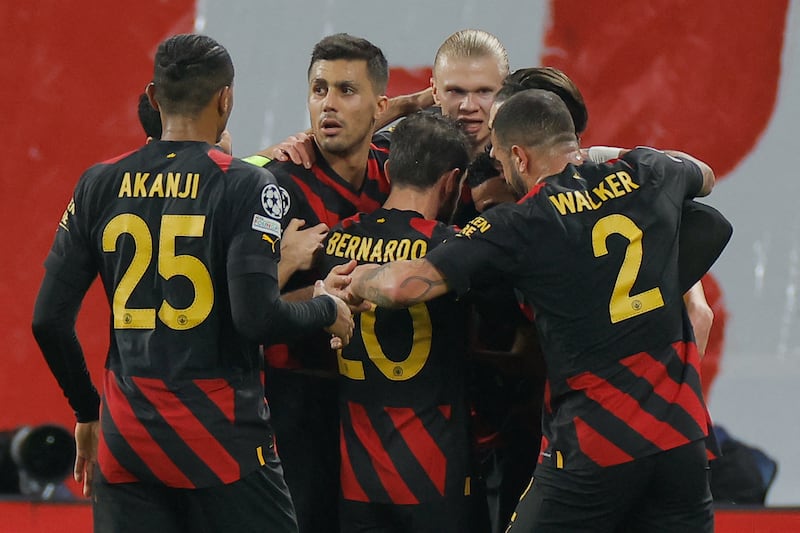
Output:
x,y
266,225
68,213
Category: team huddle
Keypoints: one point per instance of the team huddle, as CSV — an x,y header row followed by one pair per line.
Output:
x,y
430,313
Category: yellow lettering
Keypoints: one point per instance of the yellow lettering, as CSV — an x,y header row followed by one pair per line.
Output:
x,y
481,223
611,179
388,253
172,184
419,249
627,181
581,201
185,192
157,188
602,193
196,184
564,202
363,251
332,240
377,252
125,186
342,242
139,181
403,249
468,230
350,253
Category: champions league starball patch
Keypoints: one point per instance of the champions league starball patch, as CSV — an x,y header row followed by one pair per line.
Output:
x,y
287,200
272,201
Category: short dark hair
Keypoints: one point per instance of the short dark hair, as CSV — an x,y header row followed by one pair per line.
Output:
x,y
425,146
345,46
482,168
189,69
534,117
549,79
149,117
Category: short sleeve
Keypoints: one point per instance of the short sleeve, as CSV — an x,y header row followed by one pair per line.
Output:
x,y
681,178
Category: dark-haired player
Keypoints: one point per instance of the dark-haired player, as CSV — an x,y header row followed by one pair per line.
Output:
x,y
405,443
185,239
347,79
487,186
593,248
149,118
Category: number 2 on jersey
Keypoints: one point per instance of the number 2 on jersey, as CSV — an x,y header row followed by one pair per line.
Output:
x,y
623,304
169,265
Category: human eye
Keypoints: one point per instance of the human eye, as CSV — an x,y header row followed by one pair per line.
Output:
x,y
319,89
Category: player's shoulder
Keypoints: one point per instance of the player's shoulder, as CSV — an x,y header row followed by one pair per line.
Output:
x,y
98,171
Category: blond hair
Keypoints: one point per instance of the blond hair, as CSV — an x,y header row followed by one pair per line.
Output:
x,y
472,43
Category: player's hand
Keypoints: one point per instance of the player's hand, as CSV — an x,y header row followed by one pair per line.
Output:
x,y
87,435
299,247
337,282
298,148
353,294
342,328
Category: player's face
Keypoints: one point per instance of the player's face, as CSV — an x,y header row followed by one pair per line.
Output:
x,y
343,105
513,178
465,89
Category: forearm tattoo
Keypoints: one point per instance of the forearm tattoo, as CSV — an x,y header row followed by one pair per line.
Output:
x,y
415,288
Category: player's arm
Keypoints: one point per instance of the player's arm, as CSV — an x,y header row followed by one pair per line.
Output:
x,y
403,105
262,316
601,154
397,284
54,316
708,173
700,315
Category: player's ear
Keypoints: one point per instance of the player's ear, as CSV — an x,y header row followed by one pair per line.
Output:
x,y
150,90
435,92
386,171
520,158
225,100
452,181
383,105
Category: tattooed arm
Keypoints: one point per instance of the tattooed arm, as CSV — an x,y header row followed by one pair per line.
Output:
x,y
397,284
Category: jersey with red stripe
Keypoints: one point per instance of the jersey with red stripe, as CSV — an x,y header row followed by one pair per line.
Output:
x,y
164,226
594,250
317,195
404,436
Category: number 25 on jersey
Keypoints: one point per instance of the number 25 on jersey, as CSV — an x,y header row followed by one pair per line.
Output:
x,y
169,265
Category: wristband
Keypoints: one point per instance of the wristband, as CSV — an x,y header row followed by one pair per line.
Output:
x,y
601,154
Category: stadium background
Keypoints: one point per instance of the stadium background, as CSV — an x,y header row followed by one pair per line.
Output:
x,y
717,79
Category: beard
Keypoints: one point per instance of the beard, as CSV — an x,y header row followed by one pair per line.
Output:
x,y
517,184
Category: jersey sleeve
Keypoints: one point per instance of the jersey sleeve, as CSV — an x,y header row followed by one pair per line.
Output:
x,y
70,258
295,204
681,178
255,222
482,250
